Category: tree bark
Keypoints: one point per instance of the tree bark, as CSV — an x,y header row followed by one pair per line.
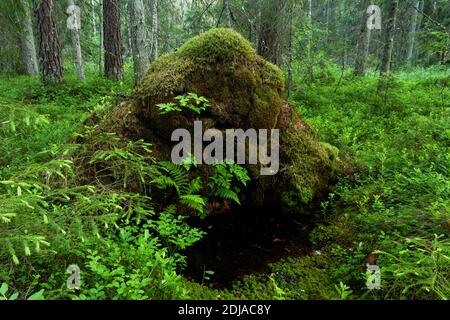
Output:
x,y
76,44
290,45
269,39
27,41
136,10
101,39
362,50
112,43
389,37
412,33
154,49
51,66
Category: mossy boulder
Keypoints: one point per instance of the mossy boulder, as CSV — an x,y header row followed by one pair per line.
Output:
x,y
244,91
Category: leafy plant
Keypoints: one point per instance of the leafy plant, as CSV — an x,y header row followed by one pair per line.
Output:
x,y
190,101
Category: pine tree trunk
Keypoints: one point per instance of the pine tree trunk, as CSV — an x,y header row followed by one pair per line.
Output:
x,y
389,37
154,49
49,46
138,30
362,51
76,44
27,41
412,33
112,43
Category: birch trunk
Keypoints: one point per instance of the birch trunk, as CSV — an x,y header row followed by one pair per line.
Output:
x,y
412,33
154,49
76,44
27,41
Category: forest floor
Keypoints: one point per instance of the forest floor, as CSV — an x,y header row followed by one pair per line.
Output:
x,y
392,211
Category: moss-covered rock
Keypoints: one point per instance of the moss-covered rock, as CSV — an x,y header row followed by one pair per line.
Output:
x,y
244,91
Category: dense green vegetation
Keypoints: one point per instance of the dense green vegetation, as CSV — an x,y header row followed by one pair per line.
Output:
x,y
393,203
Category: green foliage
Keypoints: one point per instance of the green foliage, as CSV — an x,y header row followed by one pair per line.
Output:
x,y
343,291
397,193
226,180
4,288
416,268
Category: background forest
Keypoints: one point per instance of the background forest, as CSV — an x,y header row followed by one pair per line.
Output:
x,y
379,98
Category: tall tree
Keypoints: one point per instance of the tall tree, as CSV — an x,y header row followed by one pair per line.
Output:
x,y
27,41
154,49
50,61
227,9
309,41
100,40
75,26
270,37
412,32
112,43
362,50
386,60
136,11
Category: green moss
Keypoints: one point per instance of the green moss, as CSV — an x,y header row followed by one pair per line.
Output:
x,y
217,46
164,76
298,278
313,165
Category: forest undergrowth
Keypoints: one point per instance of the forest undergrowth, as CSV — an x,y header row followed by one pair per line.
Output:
x,y
391,210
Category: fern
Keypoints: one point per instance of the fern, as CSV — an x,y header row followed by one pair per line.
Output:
x,y
194,201
226,180
190,101
175,176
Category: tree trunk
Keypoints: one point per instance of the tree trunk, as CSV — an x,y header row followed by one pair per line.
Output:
x,y
75,35
227,9
154,49
362,50
412,33
386,61
27,41
101,37
269,39
136,10
49,46
94,24
112,43
290,45
309,43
